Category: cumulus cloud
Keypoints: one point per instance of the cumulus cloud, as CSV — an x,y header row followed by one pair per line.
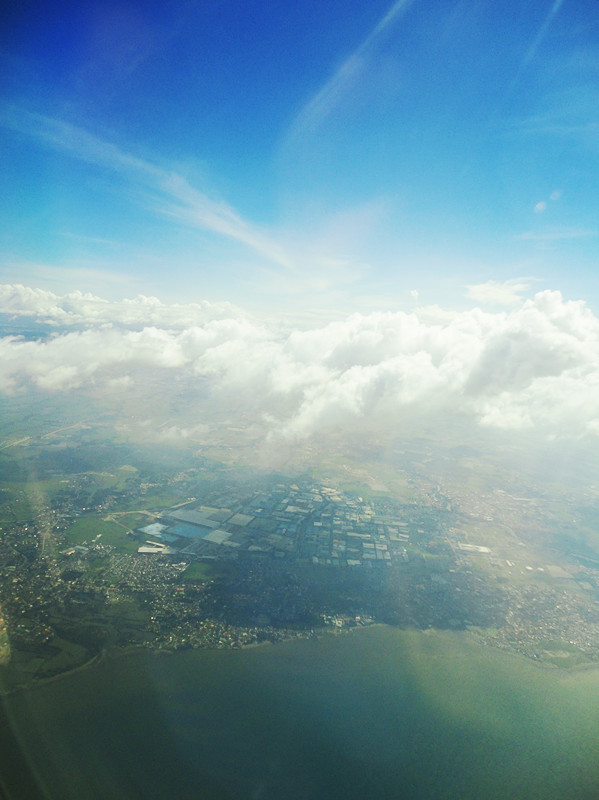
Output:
x,y
536,367
77,308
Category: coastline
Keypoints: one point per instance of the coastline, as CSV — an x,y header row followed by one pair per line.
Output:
x,y
116,653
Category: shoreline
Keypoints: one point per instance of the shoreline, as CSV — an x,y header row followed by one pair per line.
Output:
x,y
118,653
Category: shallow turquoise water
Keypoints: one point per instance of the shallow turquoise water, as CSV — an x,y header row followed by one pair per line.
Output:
x,y
378,713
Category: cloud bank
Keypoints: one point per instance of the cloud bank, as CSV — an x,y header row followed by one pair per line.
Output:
x,y
78,308
535,368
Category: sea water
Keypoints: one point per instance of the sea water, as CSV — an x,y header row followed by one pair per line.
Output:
x,y
376,713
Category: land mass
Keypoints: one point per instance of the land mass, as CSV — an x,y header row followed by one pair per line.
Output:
x,y
104,544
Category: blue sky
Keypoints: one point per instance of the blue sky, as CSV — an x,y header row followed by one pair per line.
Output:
x,y
305,156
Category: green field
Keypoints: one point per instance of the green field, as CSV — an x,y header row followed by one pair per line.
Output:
x,y
57,656
88,527
158,500
21,501
132,519
200,571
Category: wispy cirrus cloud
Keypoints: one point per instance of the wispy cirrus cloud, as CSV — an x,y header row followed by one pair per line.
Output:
x,y
507,293
57,275
555,123
173,194
557,234
542,32
535,44
318,108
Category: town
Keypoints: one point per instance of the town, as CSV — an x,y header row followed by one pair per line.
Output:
x,y
100,563
315,523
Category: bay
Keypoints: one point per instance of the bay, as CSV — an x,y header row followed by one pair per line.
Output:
x,y
377,713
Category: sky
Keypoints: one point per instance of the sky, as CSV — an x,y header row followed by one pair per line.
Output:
x,y
314,155
350,209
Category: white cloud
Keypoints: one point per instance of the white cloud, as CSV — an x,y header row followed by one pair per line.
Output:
x,y
176,433
508,293
541,206
317,256
536,367
336,89
556,234
534,46
171,193
536,42
77,308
